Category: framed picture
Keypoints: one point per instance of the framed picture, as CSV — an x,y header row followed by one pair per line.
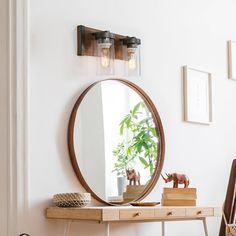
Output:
x,y
197,96
232,59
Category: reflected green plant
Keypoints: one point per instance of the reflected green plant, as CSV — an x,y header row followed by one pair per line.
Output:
x,y
139,140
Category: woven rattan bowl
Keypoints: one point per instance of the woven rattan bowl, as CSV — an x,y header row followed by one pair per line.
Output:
x,y
72,199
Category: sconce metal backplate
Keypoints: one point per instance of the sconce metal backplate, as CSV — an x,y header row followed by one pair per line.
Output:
x,y
85,42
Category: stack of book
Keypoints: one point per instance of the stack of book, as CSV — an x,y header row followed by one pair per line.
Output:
x,y
133,192
115,199
179,197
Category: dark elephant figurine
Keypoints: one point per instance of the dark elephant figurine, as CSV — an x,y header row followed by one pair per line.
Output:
x,y
132,176
177,179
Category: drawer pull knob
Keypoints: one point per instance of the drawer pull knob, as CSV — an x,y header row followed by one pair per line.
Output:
x,y
169,213
199,212
137,214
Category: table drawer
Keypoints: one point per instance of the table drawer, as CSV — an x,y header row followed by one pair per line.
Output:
x,y
200,212
136,214
169,212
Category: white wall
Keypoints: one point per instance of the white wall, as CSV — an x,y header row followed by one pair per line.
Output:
x,y
173,33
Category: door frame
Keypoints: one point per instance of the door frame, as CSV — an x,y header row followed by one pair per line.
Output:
x,y
4,116
14,197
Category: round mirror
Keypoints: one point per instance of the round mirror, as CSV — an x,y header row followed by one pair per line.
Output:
x,y
116,141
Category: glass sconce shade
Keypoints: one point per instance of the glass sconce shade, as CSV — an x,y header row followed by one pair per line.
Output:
x,y
132,56
105,52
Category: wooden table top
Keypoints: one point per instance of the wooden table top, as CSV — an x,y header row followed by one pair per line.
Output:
x,y
131,213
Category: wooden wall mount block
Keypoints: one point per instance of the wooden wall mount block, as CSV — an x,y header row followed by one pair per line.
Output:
x,y
85,42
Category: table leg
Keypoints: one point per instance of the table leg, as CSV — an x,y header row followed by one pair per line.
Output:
x,y
107,229
205,226
67,228
163,228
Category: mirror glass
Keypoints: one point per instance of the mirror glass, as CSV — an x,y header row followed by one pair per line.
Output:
x,y
115,142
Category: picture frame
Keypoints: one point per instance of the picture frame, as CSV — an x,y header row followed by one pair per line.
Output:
x,y
231,46
197,96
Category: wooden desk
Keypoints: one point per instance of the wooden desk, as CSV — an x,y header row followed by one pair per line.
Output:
x,y
108,214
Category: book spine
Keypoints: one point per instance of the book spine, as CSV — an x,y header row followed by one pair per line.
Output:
x,y
179,196
180,190
130,195
171,202
135,189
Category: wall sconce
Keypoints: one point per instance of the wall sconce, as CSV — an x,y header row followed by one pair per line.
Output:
x,y
105,52
107,46
132,53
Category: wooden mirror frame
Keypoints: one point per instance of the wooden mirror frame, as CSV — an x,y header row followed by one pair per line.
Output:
x,y
159,130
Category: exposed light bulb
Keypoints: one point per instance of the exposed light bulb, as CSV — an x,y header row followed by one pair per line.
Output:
x,y
104,45
132,62
105,58
132,55
105,54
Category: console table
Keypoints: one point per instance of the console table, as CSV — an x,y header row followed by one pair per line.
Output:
x,y
109,214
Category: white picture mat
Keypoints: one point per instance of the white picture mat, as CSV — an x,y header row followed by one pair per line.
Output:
x,y
198,101
232,59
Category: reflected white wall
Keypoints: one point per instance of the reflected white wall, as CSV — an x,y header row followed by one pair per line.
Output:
x,y
115,107
90,136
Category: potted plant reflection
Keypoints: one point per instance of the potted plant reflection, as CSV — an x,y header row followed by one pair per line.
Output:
x,y
138,148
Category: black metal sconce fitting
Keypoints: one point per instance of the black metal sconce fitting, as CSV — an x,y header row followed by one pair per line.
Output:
x,y
131,42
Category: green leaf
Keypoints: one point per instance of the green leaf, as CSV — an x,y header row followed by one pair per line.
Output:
x,y
139,146
144,162
128,122
122,128
135,109
153,130
151,168
145,145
